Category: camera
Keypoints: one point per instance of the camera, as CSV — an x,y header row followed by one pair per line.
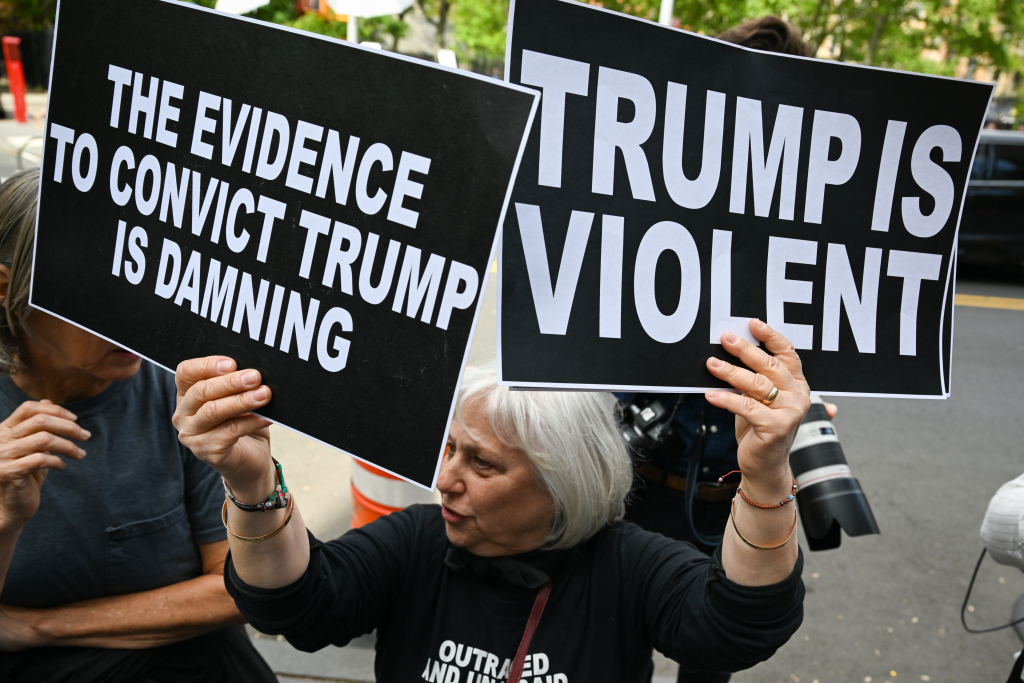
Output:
x,y
647,429
828,496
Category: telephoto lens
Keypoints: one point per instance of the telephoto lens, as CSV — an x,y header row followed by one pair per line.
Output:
x,y
828,496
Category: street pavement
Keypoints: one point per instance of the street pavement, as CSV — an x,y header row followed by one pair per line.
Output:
x,y
879,608
21,139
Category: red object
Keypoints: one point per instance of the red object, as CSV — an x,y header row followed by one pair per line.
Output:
x,y
364,508
15,76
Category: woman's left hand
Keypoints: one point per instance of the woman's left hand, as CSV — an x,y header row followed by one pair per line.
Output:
x,y
764,433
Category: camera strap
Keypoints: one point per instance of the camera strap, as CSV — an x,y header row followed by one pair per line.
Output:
x,y
531,628
696,452
695,455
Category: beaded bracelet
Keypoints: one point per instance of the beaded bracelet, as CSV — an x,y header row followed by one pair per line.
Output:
x,y
275,532
739,489
277,500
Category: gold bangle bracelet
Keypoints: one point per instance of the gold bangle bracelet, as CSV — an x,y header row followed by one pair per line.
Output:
x,y
224,519
732,517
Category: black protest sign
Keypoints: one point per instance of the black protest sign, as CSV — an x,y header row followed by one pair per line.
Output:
x,y
676,186
321,212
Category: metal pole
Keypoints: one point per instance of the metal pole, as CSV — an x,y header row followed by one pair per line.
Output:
x,y
352,29
665,16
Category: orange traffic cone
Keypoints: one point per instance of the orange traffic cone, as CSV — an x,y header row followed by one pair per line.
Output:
x,y
376,493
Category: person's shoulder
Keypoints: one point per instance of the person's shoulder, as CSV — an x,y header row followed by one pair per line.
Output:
x,y
416,534
416,523
422,520
636,547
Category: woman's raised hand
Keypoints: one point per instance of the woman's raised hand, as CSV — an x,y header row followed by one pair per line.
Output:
x,y
764,433
32,441
214,421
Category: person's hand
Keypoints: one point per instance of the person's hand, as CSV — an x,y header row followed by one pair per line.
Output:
x,y
764,433
32,441
214,421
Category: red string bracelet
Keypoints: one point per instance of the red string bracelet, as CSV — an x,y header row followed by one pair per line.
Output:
x,y
739,489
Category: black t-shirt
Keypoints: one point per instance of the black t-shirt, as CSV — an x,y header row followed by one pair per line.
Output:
x,y
129,516
614,597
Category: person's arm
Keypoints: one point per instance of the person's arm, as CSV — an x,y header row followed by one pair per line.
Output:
x,y
691,611
214,421
137,620
765,435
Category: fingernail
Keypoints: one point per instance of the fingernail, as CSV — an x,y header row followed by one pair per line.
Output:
x,y
82,451
730,337
711,393
224,366
715,363
86,433
250,378
260,394
758,322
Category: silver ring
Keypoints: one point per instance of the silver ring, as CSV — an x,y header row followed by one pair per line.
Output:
x,y
772,395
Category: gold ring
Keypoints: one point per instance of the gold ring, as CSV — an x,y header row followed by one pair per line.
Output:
x,y
772,395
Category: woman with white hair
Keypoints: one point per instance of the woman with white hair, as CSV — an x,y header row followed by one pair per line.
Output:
x,y
525,572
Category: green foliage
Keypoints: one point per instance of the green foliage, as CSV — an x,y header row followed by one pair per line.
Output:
x,y
480,28
437,13
314,23
21,16
915,35
275,11
377,28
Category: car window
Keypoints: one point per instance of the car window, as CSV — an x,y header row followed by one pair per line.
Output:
x,y
980,162
1009,162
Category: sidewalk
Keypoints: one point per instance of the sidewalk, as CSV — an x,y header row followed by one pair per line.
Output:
x,y
23,138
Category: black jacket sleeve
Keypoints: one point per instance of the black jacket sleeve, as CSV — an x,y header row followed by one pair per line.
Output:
x,y
348,589
694,614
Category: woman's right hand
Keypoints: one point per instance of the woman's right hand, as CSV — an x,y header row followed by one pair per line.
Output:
x,y
32,440
214,421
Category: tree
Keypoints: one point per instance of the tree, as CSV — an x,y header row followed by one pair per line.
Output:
x,y
436,12
22,16
479,28
915,35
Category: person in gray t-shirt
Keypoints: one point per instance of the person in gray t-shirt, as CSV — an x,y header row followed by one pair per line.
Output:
x,y
110,564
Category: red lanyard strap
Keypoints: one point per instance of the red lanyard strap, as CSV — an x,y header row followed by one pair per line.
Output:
x,y
531,627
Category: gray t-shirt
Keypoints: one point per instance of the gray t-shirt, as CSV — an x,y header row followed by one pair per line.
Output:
x,y
126,518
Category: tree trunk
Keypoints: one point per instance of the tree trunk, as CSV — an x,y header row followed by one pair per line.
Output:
x,y
876,36
394,44
442,22
820,38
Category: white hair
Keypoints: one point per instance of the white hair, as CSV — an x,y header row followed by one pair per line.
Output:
x,y
572,442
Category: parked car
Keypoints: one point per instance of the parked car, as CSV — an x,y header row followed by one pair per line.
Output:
x,y
992,226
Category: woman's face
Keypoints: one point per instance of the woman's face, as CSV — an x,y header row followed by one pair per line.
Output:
x,y
56,346
491,501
